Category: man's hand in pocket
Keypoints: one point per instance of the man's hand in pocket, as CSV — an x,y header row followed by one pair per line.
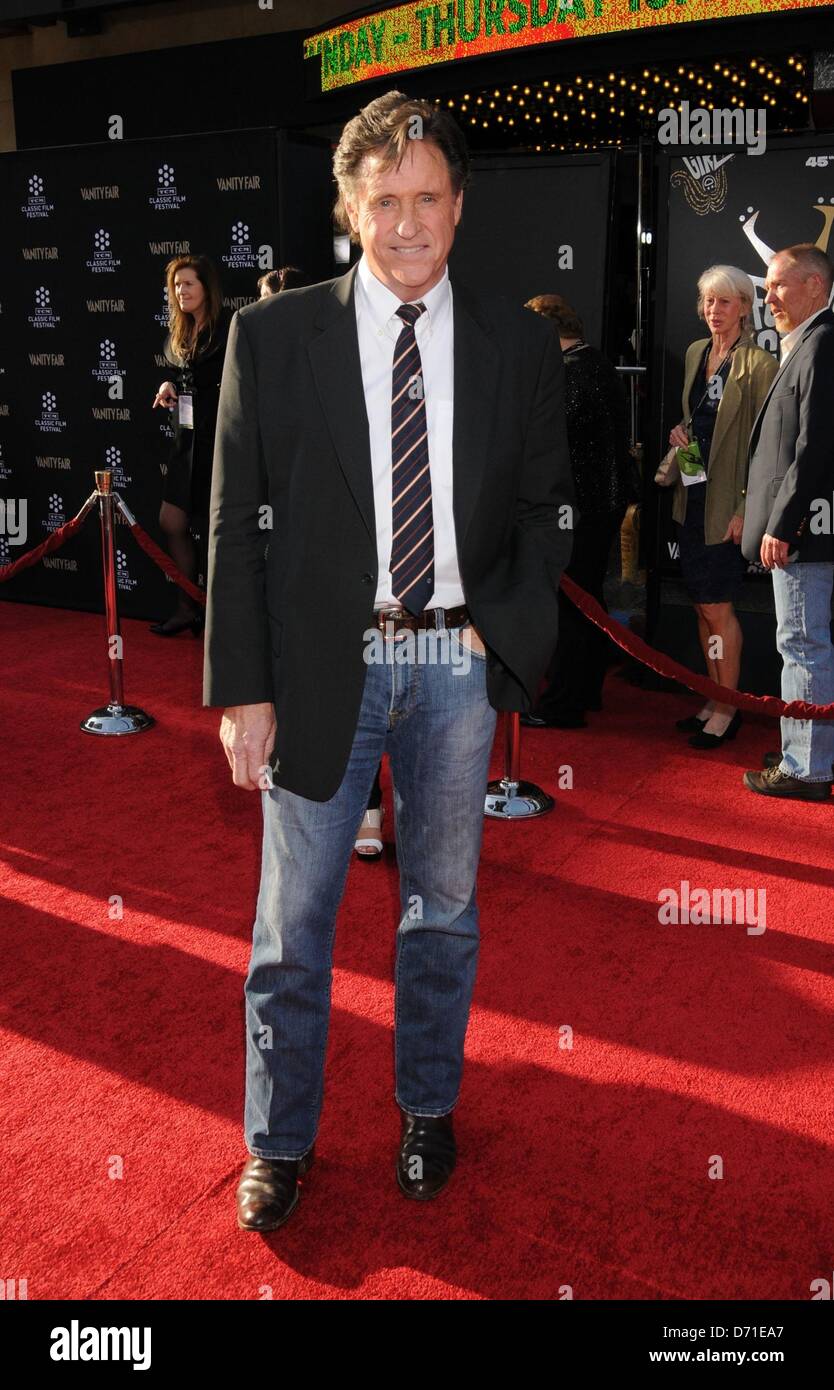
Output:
x,y
472,639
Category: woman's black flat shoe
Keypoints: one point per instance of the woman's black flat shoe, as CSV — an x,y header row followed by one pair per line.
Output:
x,y
704,740
690,725
173,629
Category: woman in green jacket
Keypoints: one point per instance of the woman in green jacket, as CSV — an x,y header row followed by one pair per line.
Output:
x,y
726,380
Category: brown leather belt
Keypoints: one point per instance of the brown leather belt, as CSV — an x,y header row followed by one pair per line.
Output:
x,y
449,617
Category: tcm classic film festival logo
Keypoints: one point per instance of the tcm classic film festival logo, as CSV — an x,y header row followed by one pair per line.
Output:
x,y
113,461
166,197
107,367
37,204
163,314
102,260
43,315
124,578
241,254
55,513
50,420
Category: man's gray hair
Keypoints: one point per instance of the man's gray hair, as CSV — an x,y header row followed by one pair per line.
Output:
x,y
808,259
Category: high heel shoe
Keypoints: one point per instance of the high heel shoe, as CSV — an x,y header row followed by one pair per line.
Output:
x,y
370,846
691,725
173,627
705,740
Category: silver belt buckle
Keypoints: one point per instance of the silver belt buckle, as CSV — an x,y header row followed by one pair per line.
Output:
x,y
383,617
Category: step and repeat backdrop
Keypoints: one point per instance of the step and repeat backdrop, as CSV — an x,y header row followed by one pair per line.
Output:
x,y
732,209
85,238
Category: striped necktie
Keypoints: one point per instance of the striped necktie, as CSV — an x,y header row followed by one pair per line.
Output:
x,y
412,543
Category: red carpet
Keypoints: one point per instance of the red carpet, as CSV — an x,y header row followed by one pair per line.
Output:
x,y
584,1167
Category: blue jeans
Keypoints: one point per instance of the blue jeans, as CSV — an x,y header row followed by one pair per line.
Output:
x,y
802,597
438,727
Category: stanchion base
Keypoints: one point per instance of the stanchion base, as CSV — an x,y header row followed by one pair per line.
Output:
x,y
117,719
516,800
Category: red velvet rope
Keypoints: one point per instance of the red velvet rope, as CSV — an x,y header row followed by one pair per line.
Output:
x,y
165,563
665,666
31,557
635,646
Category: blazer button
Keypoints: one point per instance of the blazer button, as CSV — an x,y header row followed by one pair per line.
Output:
x,y
367,579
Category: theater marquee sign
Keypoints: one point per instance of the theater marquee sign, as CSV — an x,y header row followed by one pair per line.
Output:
x,y
417,35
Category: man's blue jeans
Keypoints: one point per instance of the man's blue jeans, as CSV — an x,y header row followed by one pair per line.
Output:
x,y
802,597
437,726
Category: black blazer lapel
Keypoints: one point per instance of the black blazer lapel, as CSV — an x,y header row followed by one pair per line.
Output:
x,y
477,365
337,369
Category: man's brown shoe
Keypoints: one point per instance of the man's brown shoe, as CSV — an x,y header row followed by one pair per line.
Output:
x,y
267,1193
427,1155
772,782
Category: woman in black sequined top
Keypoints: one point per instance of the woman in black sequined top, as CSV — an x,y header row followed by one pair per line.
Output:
x,y
595,407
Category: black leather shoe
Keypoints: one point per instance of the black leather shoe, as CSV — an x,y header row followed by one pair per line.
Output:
x,y
267,1193
427,1155
174,626
554,721
691,725
705,740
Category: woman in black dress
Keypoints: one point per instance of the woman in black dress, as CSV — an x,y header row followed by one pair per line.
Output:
x,y
195,348
726,380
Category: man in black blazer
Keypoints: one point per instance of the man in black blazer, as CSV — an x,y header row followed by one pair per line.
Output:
x,y
788,515
391,515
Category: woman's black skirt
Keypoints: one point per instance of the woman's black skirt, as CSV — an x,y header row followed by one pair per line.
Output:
x,y
711,573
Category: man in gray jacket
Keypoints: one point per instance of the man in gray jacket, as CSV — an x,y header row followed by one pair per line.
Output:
x,y
788,515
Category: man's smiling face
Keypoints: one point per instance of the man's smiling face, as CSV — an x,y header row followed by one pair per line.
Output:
x,y
406,218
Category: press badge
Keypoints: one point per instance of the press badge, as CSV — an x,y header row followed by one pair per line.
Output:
x,y
186,412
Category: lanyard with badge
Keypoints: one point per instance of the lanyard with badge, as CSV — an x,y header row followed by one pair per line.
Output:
x,y
690,460
185,400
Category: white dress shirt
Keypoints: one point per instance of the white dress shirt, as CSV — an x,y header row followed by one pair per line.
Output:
x,y
379,327
790,340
